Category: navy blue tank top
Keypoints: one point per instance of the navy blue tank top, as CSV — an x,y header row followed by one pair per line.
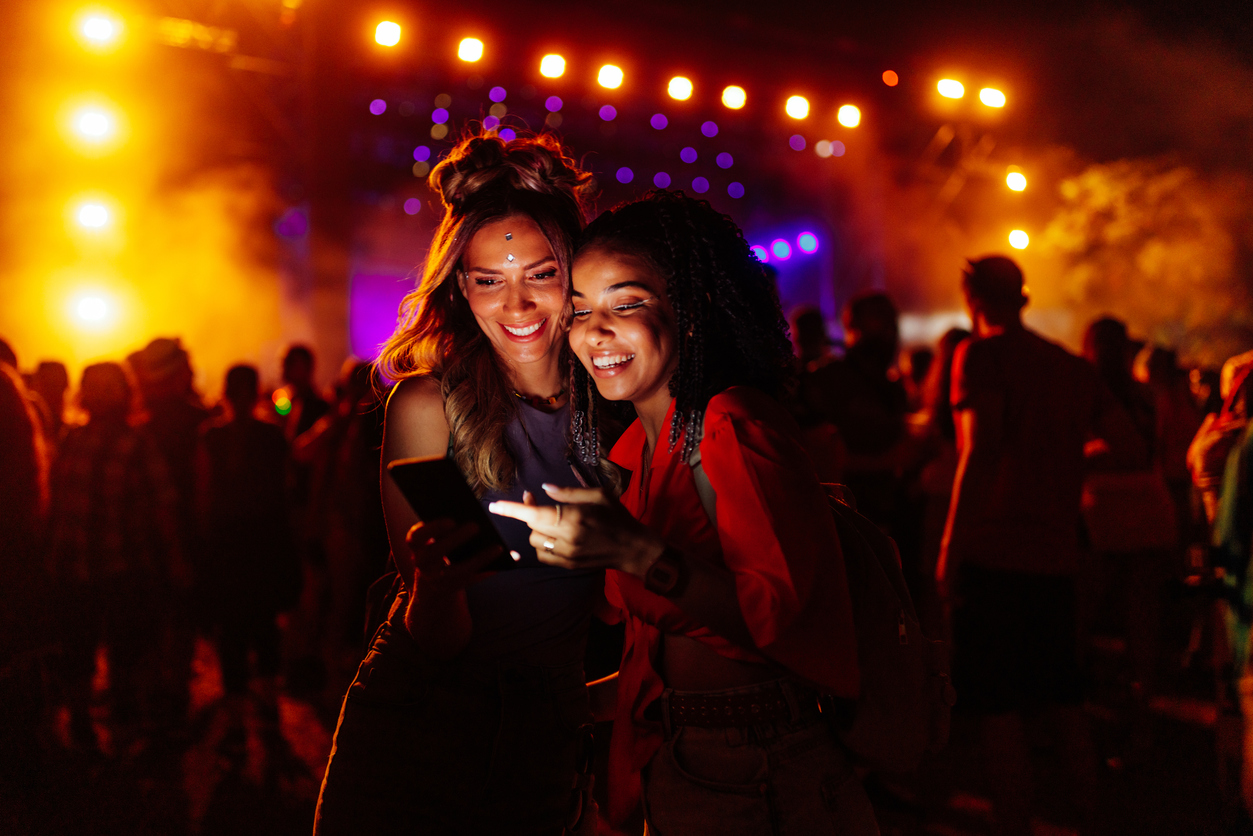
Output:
x,y
533,614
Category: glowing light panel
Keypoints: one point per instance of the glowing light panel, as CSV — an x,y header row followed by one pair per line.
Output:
x,y
610,77
807,242
94,124
680,88
848,116
781,249
92,215
387,33
1016,180
470,49
797,107
734,97
98,28
552,66
950,88
1018,239
992,97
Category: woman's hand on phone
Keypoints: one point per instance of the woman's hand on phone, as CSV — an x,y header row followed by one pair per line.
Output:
x,y
428,571
587,529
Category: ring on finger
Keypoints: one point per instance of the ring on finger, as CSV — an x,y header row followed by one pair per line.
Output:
x,y
549,545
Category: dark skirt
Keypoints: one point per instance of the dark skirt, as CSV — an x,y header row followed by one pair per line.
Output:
x,y
433,749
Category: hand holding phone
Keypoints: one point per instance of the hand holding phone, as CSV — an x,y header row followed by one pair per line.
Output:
x,y
454,523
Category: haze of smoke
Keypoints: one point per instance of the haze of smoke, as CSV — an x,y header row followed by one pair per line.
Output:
x,y
1159,245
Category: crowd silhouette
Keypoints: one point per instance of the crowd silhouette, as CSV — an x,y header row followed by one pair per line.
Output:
x,y
142,523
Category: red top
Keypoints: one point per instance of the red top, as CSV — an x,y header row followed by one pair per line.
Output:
x,y
775,533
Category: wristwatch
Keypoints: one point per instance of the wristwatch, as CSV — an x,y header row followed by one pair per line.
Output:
x,y
668,576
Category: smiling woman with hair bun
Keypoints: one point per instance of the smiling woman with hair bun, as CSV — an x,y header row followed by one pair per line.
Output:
x,y
469,713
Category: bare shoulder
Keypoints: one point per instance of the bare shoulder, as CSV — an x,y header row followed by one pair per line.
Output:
x,y
414,422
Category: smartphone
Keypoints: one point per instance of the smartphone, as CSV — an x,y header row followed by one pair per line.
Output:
x,y
435,489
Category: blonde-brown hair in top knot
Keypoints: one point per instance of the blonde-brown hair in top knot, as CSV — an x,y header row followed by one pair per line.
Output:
x,y
485,162
483,179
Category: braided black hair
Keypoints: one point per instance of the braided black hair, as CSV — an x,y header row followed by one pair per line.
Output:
x,y
729,326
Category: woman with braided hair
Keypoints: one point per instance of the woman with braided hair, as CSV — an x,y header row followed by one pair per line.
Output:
x,y
722,551
469,713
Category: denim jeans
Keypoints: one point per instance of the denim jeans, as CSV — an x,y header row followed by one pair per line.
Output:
x,y
437,749
778,778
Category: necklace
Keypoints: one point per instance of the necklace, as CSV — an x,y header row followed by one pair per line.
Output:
x,y
537,401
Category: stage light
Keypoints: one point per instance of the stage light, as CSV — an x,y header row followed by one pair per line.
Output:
x,y
1018,239
490,122
890,78
378,107
94,123
507,134
848,116
387,33
807,242
734,97
950,88
470,49
688,155
552,66
837,148
797,107
992,97
781,249
552,104
610,77
93,309
724,160
661,180
282,401
413,206
608,113
497,94
98,28
659,121
735,190
1016,180
422,153
797,142
760,252
439,115
625,175
680,88
823,148
709,129
92,215
700,185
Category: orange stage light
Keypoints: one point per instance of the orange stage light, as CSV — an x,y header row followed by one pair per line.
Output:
x,y
992,97
680,88
890,78
1016,180
552,66
950,88
387,33
610,76
734,97
849,116
797,107
470,49
1018,239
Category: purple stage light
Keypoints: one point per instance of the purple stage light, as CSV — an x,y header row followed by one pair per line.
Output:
x,y
725,160
781,249
688,155
760,252
507,134
735,190
608,113
700,185
659,121
709,129
439,115
552,104
421,153
807,242
413,206
625,175
497,94
797,142
378,106
661,180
